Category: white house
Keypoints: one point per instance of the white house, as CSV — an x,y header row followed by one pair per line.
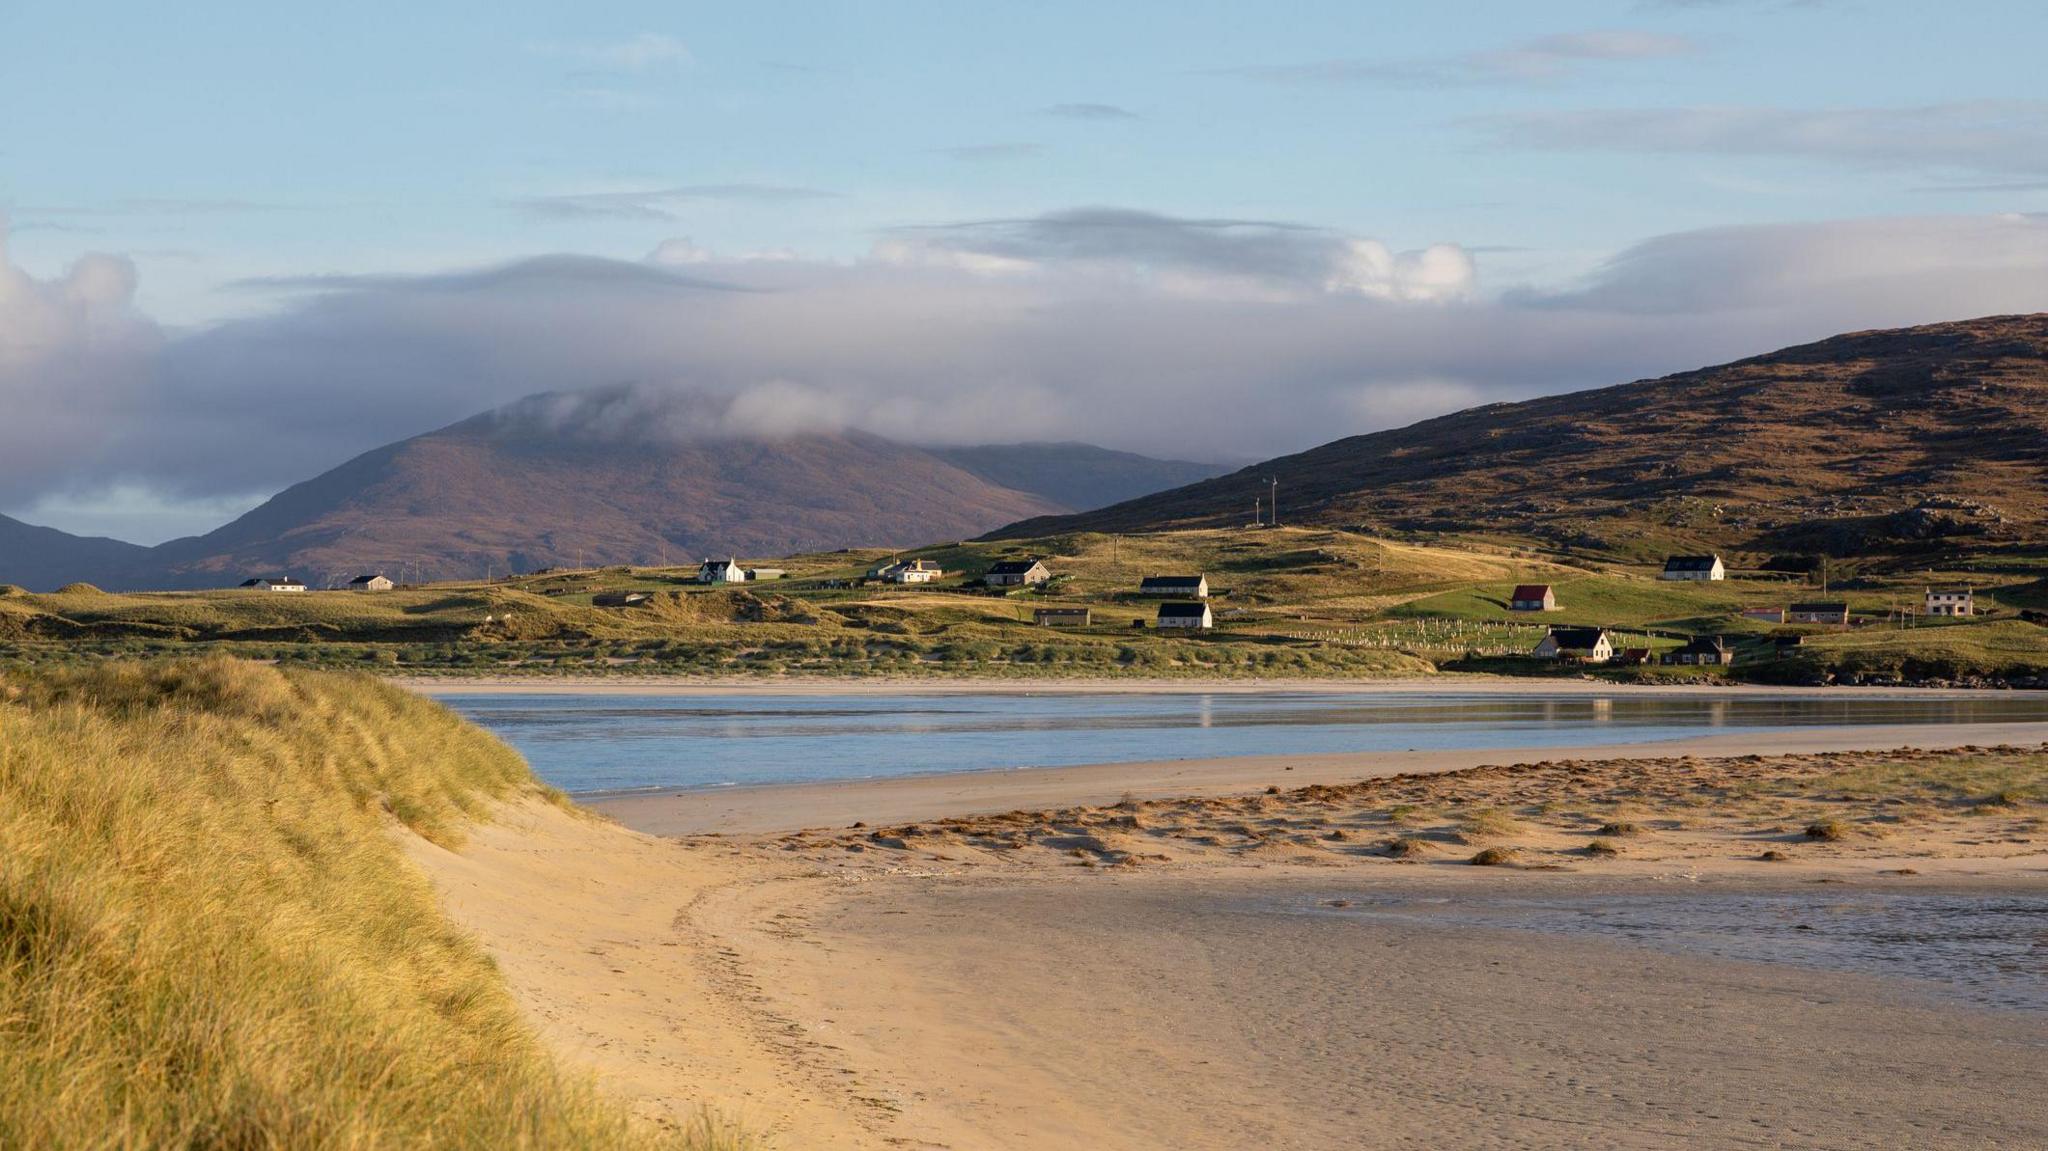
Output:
x,y
1951,601
1179,587
274,583
1583,644
1195,616
727,570
371,583
915,571
1700,568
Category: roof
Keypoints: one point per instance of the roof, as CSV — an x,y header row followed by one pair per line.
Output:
x,y
1950,591
1691,563
730,562
1701,644
1013,567
1530,591
1822,608
368,578
1578,637
1182,610
268,581
1062,611
1172,581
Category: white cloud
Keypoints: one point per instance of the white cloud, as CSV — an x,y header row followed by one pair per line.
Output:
x,y
1542,60
636,53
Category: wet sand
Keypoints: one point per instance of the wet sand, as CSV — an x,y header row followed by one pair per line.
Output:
x,y
1128,976
763,810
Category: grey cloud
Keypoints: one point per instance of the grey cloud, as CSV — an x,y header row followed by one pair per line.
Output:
x,y
1090,112
658,203
1543,59
936,351
159,206
1997,136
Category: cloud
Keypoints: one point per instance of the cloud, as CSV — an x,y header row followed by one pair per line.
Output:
x,y
1191,256
1544,59
636,53
1994,136
1187,337
657,203
1090,112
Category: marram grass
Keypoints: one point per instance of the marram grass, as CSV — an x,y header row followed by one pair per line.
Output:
x,y
209,937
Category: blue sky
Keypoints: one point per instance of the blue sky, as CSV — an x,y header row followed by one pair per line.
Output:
x,y
218,157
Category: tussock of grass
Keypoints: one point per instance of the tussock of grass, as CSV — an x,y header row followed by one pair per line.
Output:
x,y
1489,823
1828,830
1494,857
210,938
1602,847
1406,847
1620,829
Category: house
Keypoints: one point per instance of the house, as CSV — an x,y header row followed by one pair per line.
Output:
x,y
1017,573
1764,614
1180,586
766,573
1951,601
1632,656
1533,597
916,571
1582,644
1788,643
1834,613
727,570
1693,568
371,583
1701,650
274,583
1063,617
1188,615
619,598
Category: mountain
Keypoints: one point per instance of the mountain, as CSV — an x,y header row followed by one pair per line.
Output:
x,y
1893,442
614,476
38,557
1076,476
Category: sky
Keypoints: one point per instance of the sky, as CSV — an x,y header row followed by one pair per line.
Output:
x,y
243,243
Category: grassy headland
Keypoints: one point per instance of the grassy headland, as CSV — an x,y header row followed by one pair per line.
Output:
x,y
1289,602
209,936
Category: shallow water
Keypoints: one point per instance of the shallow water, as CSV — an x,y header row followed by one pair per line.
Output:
x,y
1985,949
586,743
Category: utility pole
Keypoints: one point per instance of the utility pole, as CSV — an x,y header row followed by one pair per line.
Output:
x,y
1258,517
1274,504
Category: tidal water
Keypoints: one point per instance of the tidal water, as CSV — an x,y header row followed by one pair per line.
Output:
x,y
593,743
1987,949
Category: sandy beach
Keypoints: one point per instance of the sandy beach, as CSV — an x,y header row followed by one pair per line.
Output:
x,y
1189,971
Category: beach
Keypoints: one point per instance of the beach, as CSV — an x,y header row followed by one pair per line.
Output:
x,y
1195,970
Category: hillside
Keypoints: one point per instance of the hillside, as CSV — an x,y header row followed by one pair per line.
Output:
x,y
617,476
1891,442
45,557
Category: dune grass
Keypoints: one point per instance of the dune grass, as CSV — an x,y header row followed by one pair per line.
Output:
x,y
209,937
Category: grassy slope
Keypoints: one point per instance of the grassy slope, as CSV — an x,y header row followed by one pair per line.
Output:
x,y
1295,601
209,938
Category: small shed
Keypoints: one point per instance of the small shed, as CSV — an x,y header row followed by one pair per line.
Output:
x,y
1063,617
378,582
1194,616
1764,614
1533,597
1017,573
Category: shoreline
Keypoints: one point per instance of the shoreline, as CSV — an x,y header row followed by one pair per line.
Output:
x,y
764,809
1448,682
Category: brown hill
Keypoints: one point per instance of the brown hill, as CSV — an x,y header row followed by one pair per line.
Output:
x,y
614,476
1873,442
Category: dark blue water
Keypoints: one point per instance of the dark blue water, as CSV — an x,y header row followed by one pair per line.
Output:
x,y
1985,949
587,743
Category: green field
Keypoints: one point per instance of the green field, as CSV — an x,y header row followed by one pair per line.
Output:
x,y
1288,602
